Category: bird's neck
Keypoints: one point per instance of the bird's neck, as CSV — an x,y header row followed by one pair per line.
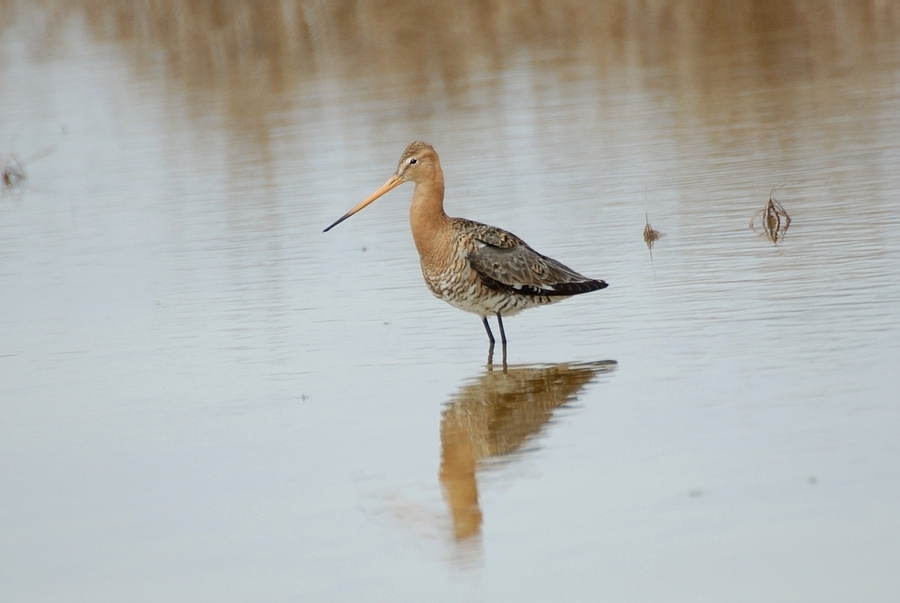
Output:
x,y
426,214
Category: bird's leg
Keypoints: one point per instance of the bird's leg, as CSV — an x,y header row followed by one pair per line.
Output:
x,y
490,335
487,328
502,332
502,338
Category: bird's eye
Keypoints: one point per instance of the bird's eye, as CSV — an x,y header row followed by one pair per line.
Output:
x,y
413,161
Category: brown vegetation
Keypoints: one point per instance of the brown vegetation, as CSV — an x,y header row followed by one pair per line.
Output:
x,y
277,45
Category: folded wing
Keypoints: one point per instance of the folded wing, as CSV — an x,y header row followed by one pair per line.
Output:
x,y
505,263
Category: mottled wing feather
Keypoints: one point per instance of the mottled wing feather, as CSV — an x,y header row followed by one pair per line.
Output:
x,y
490,235
505,263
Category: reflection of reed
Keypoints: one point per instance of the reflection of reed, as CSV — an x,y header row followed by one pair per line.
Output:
x,y
492,417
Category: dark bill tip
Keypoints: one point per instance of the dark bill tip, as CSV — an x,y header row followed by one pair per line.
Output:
x,y
338,221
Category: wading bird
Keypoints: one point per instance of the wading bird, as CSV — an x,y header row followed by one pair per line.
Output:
x,y
474,267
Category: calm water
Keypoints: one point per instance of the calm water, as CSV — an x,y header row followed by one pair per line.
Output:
x,y
205,398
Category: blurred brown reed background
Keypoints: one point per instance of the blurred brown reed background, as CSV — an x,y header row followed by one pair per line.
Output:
x,y
252,48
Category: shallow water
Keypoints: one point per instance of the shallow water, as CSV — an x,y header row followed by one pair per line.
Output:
x,y
204,397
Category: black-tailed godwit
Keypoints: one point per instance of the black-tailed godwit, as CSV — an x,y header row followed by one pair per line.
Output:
x,y
472,266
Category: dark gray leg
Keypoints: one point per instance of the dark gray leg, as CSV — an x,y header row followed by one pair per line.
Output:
x,y
487,328
502,332
502,339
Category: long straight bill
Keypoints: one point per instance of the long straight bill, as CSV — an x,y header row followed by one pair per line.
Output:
x,y
390,185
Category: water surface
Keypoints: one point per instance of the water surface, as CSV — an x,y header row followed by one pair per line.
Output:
x,y
204,397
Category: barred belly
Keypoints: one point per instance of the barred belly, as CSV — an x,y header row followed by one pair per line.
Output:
x,y
466,291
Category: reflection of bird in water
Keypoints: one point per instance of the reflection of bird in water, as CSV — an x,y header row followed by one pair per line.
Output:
x,y
472,266
493,417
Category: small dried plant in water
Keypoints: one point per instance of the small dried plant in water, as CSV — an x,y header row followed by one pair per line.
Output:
x,y
650,235
775,220
13,171
14,168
